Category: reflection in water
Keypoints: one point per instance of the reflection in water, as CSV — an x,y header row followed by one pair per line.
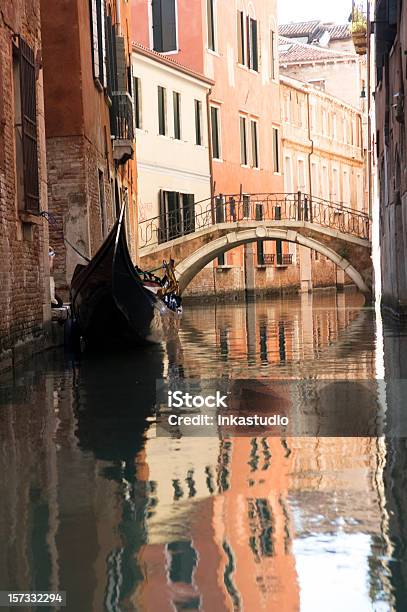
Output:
x,y
94,504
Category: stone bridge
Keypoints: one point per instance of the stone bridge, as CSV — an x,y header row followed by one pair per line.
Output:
x,y
196,234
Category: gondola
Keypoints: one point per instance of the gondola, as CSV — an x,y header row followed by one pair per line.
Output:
x,y
115,304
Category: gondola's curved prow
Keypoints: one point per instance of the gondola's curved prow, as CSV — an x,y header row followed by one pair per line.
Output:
x,y
139,307
110,304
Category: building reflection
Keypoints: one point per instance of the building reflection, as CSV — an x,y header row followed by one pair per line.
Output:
x,y
94,503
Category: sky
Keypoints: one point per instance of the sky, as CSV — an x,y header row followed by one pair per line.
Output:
x,y
307,10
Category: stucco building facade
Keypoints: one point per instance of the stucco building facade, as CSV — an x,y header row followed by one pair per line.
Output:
x,y
89,127
173,162
24,268
323,156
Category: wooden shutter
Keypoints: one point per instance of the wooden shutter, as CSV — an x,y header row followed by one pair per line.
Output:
x,y
29,126
157,25
240,40
121,66
169,25
254,45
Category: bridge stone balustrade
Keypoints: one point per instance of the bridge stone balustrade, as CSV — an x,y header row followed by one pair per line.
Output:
x,y
193,239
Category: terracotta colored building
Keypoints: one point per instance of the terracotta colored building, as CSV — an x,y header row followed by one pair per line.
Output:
x,y
391,119
89,127
236,47
24,269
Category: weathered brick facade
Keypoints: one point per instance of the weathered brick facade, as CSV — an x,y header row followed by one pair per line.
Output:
x,y
88,181
24,269
73,164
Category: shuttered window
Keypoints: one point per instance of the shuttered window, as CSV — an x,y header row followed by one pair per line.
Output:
x,y
177,214
273,54
177,115
215,132
252,44
198,122
243,141
29,127
276,150
164,25
210,15
137,103
98,33
241,38
255,144
162,111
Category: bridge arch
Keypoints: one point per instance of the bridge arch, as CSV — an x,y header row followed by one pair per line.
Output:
x,y
189,267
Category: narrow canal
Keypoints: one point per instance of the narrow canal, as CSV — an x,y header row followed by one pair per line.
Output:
x,y
94,504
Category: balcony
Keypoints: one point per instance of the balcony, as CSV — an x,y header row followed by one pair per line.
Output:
x,y
122,126
281,260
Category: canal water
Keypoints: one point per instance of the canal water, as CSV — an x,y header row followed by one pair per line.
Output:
x,y
95,504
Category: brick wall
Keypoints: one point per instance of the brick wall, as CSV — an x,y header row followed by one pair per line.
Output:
x,y
24,296
73,166
229,282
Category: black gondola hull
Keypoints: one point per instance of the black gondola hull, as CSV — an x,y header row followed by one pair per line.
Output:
x,y
110,304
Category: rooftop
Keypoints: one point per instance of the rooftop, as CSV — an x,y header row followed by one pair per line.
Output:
x,y
293,52
314,30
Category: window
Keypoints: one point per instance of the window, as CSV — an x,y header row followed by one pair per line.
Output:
x,y
25,122
273,54
260,253
276,150
241,38
253,47
98,18
177,214
137,103
301,175
210,9
334,126
162,111
164,15
255,144
246,207
243,141
198,122
177,115
215,132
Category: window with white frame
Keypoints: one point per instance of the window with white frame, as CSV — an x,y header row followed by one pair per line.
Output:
x,y
276,150
198,122
211,24
138,121
254,131
216,135
273,54
177,114
162,111
243,141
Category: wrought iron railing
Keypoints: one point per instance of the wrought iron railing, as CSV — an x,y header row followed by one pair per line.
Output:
x,y
121,116
255,207
279,259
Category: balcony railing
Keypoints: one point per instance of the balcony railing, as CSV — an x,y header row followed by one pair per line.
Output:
x,y
279,259
261,208
122,126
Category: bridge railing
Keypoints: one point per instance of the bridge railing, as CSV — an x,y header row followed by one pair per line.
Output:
x,y
189,217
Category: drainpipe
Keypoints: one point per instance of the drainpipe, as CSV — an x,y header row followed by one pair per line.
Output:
x,y
208,114
310,154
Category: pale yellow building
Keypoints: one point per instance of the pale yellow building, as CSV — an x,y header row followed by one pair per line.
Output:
x,y
323,156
